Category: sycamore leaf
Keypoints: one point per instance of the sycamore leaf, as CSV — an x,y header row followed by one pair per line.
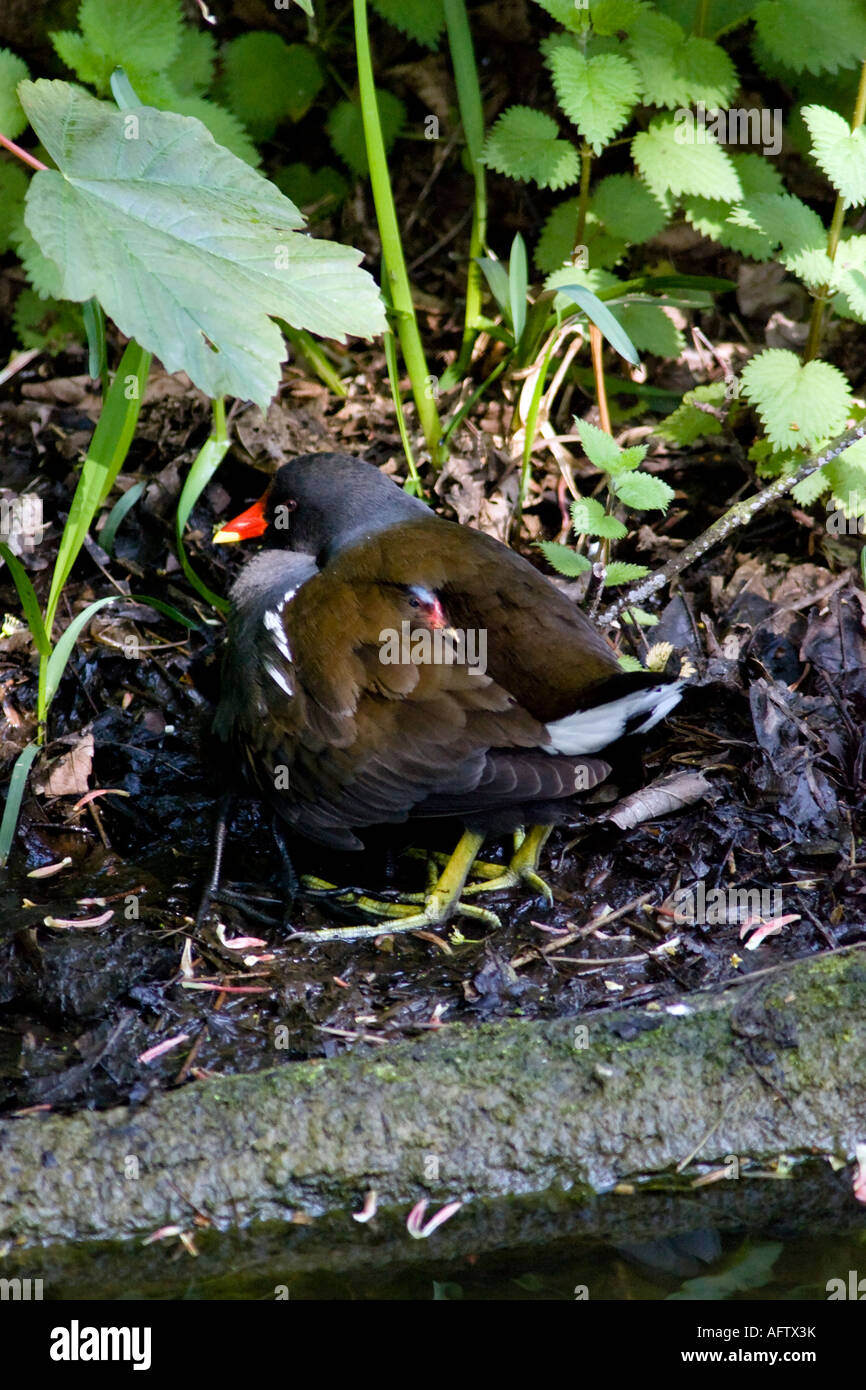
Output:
x,y
189,250
798,405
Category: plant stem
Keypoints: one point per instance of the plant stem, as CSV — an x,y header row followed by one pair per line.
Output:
x,y
583,204
21,154
816,323
472,118
394,265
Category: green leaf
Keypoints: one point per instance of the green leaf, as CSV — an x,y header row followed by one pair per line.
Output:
x,y
620,572
423,20
191,72
13,190
46,324
850,278
12,71
206,463
345,127
604,320
124,504
105,456
589,518
225,127
317,192
44,275
808,490
650,329
847,478
92,67
564,560
14,797
566,13
497,278
676,69
269,81
597,94
670,164
63,647
29,601
600,448
839,151
188,250
518,284
643,491
686,424
144,37
818,38
525,144
628,209
711,216
798,405
557,243
789,223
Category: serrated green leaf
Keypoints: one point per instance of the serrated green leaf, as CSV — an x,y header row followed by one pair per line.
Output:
x,y
669,164
628,209
525,144
189,250
566,13
679,69
686,424
808,490
850,279
600,448
44,274
557,243
818,38
786,221
269,81
589,518
564,560
798,404
423,20
13,190
192,71
596,94
92,67
12,71
643,491
839,151
847,478
345,127
711,216
650,329
47,324
315,191
620,572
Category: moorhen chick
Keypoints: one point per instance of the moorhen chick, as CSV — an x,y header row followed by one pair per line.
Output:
x,y
382,663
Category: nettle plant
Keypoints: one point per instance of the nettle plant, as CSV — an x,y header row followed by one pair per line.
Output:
x,y
621,64
596,523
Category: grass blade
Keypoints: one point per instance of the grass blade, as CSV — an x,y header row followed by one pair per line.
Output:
x,y
14,797
29,601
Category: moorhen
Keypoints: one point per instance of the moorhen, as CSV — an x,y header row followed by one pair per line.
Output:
x,y
382,663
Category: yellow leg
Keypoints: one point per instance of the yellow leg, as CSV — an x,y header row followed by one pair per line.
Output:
x,y
523,867
441,902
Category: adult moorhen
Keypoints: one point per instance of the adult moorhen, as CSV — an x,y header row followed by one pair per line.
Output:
x,y
383,663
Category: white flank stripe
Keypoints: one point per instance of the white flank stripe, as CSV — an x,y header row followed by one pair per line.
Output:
x,y
590,730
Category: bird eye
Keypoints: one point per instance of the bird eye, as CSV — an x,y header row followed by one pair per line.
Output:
x,y
413,603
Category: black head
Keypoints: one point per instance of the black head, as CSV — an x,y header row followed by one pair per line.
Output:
x,y
319,503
